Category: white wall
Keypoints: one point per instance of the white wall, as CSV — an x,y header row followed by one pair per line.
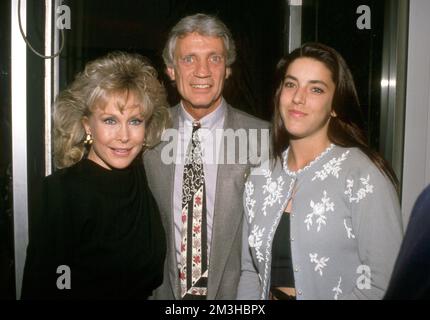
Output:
x,y
416,165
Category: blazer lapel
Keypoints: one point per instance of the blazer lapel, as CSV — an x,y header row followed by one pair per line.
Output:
x,y
225,223
170,180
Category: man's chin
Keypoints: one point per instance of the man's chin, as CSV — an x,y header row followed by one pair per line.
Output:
x,y
202,104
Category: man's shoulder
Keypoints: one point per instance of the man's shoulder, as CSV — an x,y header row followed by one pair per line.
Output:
x,y
173,111
246,120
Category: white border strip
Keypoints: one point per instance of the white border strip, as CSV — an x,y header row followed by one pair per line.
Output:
x,y
295,25
295,2
48,85
56,63
19,139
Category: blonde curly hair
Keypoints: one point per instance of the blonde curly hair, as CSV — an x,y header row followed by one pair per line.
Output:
x,y
117,72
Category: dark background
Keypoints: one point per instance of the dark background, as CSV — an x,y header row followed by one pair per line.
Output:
x,y
333,22
100,26
6,228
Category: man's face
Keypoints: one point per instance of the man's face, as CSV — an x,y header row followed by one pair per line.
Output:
x,y
199,71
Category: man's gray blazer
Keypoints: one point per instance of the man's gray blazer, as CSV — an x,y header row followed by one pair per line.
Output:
x,y
225,253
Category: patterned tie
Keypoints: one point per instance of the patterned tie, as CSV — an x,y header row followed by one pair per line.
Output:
x,y
194,260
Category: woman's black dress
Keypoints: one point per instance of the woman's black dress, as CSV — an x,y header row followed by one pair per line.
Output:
x,y
104,225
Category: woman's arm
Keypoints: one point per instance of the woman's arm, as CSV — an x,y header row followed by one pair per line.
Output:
x,y
376,219
249,284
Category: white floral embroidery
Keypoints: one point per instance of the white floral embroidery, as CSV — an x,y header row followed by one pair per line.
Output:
x,y
332,167
319,211
273,190
267,173
255,241
320,263
362,192
295,173
268,244
249,202
337,289
348,230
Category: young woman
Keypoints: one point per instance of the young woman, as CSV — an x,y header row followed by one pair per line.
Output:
x,y
98,233
324,221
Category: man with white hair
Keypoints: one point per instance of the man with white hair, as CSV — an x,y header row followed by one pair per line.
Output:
x,y
201,202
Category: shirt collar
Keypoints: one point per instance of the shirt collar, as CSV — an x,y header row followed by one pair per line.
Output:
x,y
210,121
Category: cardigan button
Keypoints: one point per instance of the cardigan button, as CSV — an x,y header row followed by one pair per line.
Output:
x,y
299,292
292,239
296,269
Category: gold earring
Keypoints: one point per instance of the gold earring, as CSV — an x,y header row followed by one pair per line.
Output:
x,y
88,140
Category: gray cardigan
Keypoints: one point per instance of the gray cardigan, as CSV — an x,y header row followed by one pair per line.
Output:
x,y
345,227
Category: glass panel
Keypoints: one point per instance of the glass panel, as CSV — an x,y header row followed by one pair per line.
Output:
x,y
334,22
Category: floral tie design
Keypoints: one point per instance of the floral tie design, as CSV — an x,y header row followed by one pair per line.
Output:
x,y
194,260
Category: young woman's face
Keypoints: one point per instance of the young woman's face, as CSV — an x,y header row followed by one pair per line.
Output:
x,y
118,137
306,99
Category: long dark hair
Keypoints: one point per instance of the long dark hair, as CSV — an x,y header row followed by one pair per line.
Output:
x,y
345,129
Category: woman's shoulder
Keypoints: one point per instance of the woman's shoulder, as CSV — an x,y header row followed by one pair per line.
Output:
x,y
357,160
66,176
362,169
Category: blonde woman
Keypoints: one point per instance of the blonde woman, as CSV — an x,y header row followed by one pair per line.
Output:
x,y
99,226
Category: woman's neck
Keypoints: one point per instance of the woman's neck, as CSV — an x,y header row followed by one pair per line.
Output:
x,y
302,152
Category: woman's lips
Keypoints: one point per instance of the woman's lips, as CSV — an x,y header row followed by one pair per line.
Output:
x,y
122,152
296,113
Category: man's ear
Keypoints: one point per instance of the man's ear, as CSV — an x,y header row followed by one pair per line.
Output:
x,y
171,73
227,72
